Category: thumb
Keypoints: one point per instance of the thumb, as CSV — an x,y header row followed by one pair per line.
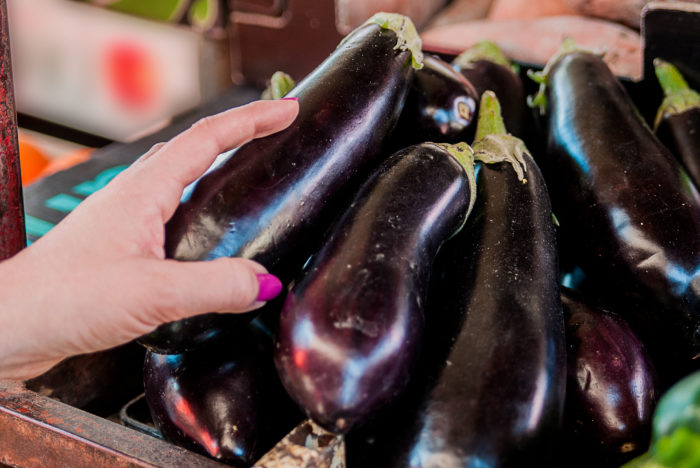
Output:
x,y
222,285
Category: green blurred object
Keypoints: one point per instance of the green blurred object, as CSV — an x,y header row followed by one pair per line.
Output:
x,y
202,14
676,429
161,10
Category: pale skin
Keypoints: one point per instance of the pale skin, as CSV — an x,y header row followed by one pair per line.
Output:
x,y
100,277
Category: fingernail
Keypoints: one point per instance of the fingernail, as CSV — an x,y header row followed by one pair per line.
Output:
x,y
269,286
289,99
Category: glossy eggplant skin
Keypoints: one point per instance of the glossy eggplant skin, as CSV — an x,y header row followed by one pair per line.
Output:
x,y
681,134
612,388
486,75
352,326
625,205
223,399
441,106
273,199
489,390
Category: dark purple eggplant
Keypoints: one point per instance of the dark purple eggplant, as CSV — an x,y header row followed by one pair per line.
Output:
x,y
486,67
440,106
223,399
273,199
678,119
612,387
352,326
489,390
627,210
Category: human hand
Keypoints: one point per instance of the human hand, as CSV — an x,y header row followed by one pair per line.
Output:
x,y
100,277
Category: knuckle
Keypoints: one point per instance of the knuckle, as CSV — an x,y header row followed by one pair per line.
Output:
x,y
204,125
209,131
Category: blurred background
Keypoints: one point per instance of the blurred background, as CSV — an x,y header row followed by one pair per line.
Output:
x,y
91,72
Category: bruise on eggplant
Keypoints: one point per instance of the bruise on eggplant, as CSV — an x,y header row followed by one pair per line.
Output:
x,y
486,67
489,388
352,326
273,199
612,387
626,207
223,399
678,119
441,106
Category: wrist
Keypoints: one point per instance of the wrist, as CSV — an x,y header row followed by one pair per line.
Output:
x,y
22,353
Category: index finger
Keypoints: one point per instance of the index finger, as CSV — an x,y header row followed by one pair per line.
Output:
x,y
188,155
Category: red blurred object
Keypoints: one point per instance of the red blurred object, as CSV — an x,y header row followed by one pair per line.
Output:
x,y
132,75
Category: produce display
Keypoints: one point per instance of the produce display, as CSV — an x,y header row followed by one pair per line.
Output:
x,y
274,198
628,211
490,388
362,295
422,246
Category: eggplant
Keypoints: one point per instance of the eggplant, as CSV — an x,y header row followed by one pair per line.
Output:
x,y
626,207
440,107
223,399
274,198
612,388
489,390
486,67
678,119
351,326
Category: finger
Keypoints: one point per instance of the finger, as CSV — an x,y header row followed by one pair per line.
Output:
x,y
185,289
188,155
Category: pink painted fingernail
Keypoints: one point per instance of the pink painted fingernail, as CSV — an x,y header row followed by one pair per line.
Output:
x,y
269,286
289,99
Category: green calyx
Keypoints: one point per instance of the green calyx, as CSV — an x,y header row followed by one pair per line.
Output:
x,y
679,97
406,33
464,154
484,50
539,100
493,143
279,86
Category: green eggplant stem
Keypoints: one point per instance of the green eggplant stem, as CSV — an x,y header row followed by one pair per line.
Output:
x,y
280,85
464,154
406,34
539,99
669,77
679,97
484,50
490,121
493,143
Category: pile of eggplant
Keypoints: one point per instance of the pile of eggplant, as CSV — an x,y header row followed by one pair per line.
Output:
x,y
452,300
